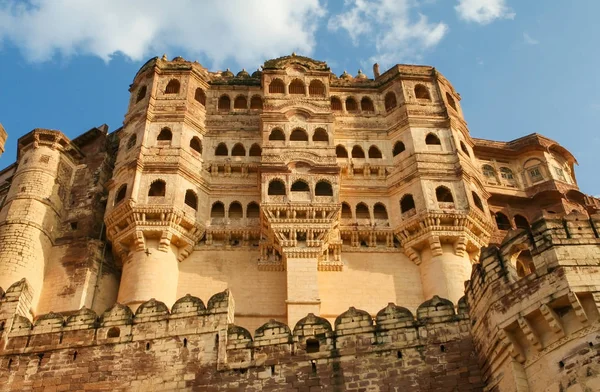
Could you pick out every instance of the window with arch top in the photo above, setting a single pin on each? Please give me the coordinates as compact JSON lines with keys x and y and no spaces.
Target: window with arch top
{"x":390,"y":101}
{"x":323,"y":188}
{"x":524,"y":264}
{"x":121,"y":193}
{"x":488,"y":171}
{"x":217,"y":210}
{"x":502,"y":221}
{"x":320,"y":135}
{"x":172,"y":87}
{"x":277,"y":134}
{"x":357,"y":152}
{"x":224,"y":104}
{"x":341,"y":152}
{"x":374,"y":153}
{"x":336,"y":104}
{"x":252,"y":210}
{"x":443,"y":195}
{"x":451,"y":101}
{"x":297,"y":87}
{"x":196,"y":144}
{"x":191,"y":200}
{"x":362,"y":211}
{"x":299,"y":135}
{"x":477,"y":201}
{"x":421,"y":92}
{"x":351,"y":105}
{"x":255,"y":150}
{"x":407,"y":203}
{"x":521,"y":222}
{"x":221,"y":150}
{"x":200,"y":96}
{"x":379,"y":211}
{"x":236,"y":210}
{"x":316,"y":88}
{"x":346,"y":211}
{"x":241,"y":102}
{"x":300,"y":186}
{"x":238,"y":150}
{"x":432,"y":140}
{"x":276,"y":188}
{"x":157,"y":189}
{"x":256,"y":103}
{"x":276,"y":87}
{"x":141,"y":94}
{"x":366,"y":105}
{"x":398,"y":148}
{"x":164,"y":136}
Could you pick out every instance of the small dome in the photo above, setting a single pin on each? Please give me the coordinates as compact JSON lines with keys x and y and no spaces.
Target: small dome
{"x":178,"y":59}
{"x":227,"y":74}
{"x":242,"y":74}
{"x":346,"y":76}
{"x":257,"y":74}
{"x":360,"y":75}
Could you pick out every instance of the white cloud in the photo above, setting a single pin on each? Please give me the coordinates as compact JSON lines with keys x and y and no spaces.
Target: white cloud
{"x":529,"y":40}
{"x":398,"y":31}
{"x":247,"y":31}
{"x":483,"y":11}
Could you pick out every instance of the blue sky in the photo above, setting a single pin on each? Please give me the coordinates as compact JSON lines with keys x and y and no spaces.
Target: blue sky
{"x":520,"y":66}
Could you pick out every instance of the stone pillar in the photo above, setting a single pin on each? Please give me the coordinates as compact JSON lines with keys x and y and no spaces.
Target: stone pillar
{"x":444,"y":274}
{"x":302,"y":289}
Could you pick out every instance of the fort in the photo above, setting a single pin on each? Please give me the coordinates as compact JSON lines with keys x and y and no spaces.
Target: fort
{"x":346,"y":233}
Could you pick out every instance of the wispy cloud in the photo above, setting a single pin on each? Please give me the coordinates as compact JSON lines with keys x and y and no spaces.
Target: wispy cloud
{"x":483,"y":11}
{"x":529,"y":40}
{"x":247,"y":31}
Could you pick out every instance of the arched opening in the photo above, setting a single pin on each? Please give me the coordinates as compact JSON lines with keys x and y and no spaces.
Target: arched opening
{"x":407,"y":203}
{"x":323,"y":188}
{"x":141,"y":94}
{"x":336,"y":104}
{"x":277,"y":134}
{"x":341,"y":152}
{"x":276,"y":87}
{"x":379,"y":211}
{"x":398,"y":148}
{"x":316,"y":88}
{"x":443,"y":195}
{"x":157,"y":188}
{"x":421,"y":92}
{"x":131,"y":142}
{"x":238,"y":150}
{"x":255,"y":150}
{"x":221,"y":150}
{"x":256,"y":103}
{"x":390,"y":101}
{"x":312,"y":346}
{"x":224,"y":103}
{"x":477,"y":201}
{"x":297,"y":87}
{"x":451,"y":101}
{"x":276,"y":188}
{"x":121,"y":193}
{"x":374,"y":153}
{"x":320,"y":135}
{"x":252,"y":210}
{"x":236,"y":211}
{"x":299,"y":135}
{"x":524,"y":264}
{"x":507,"y":174}
{"x":362,"y":211}
{"x":241,"y":102}
{"x":172,"y":87}
{"x":300,"y":186}
{"x":366,"y":105}
{"x":113,"y":332}
{"x":217,"y":210}
{"x":521,"y":222}
{"x":502,"y":221}
{"x":488,"y":171}
{"x":351,"y":105}
{"x":165,"y":135}
{"x":200,"y":96}
{"x":357,"y":152}
{"x":464,"y":148}
{"x":346,"y":211}
{"x":191,"y":199}
{"x":196,"y":144}
{"x":432,"y":139}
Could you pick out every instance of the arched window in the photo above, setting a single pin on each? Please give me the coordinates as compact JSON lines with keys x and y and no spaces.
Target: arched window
{"x":320,"y":135}
{"x":236,"y":211}
{"x":157,"y":188}
{"x":357,"y":152}
{"x":224,"y":103}
{"x":341,"y":152}
{"x":191,"y":199}
{"x":252,"y":210}
{"x":323,"y":188}
{"x":432,"y":139}
{"x":256,"y":103}
{"x":221,"y":150}
{"x":507,"y":174}
{"x":374,"y":152}
{"x":238,"y":150}
{"x":165,"y":135}
{"x":196,"y":144}
{"x":131,"y":142}
{"x":113,"y":332}
{"x":502,"y":221}
{"x":451,"y":101}
{"x":488,"y":171}
{"x":379,"y":211}
{"x":240,"y":102}
{"x":398,"y":148}
{"x":121,"y":193}
{"x":277,"y":134}
{"x":521,"y":222}
{"x":524,"y":264}
{"x":407,"y":203}
{"x":297,"y":87}
{"x":443,"y":195}
{"x":299,"y":135}
{"x":366,"y":105}
{"x":477,"y":201}
{"x":463,"y":147}
{"x":316,"y":88}
{"x":200,"y":96}
{"x":217,"y":210}
{"x":300,"y":186}
{"x":336,"y":104}
{"x":255,"y":150}
{"x":390,"y":101}
{"x":421,"y":92}
{"x":346,"y":211}
{"x":141,"y":94}
{"x":276,"y":87}
{"x":362,"y":211}
{"x":276,"y":187}
{"x":172,"y":87}
{"x":351,"y":105}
